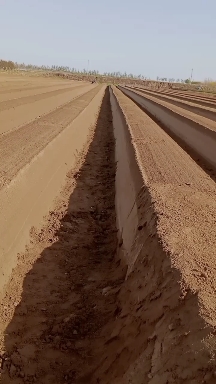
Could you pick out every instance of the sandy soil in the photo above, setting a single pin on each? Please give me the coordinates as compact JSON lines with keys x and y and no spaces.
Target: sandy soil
{"x":195,"y":95}
{"x":7,"y":93}
{"x":201,"y":98}
{"x":182,"y":111}
{"x":32,"y":137}
{"x":171,"y":268}
{"x":68,"y":291}
{"x":118,"y":285}
{"x":200,"y":107}
{"x":17,"y":112}
{"x":196,"y":133}
{"x":19,"y":86}
{"x":35,"y":158}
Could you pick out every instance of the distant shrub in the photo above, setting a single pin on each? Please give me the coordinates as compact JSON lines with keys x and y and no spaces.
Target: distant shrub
{"x":7,"y":64}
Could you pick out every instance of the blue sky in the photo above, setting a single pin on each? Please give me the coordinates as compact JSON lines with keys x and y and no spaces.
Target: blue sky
{"x":165,"y":38}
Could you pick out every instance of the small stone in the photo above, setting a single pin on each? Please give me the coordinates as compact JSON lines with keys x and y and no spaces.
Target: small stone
{"x":68,"y":344}
{"x":75,"y":332}
{"x":106,"y":290}
{"x":152,"y":336}
{"x":186,"y":333}
{"x":150,"y":376}
{"x":22,"y":374}
{"x":171,"y":327}
{"x":188,"y":183}
{"x":68,"y":318}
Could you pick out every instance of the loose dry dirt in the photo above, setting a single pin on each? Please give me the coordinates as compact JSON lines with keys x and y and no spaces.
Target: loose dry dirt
{"x":118,"y":286}
{"x":195,"y":134}
{"x":183,"y":109}
{"x":193,"y":97}
{"x":63,"y":290}
{"x":199,"y":107}
{"x":18,"y":147}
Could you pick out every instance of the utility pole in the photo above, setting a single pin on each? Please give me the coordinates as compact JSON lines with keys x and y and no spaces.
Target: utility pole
{"x":191,"y":75}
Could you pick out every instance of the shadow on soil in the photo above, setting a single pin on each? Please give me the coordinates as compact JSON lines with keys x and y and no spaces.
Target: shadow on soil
{"x":79,"y":321}
{"x":203,"y":163}
{"x":70,"y":292}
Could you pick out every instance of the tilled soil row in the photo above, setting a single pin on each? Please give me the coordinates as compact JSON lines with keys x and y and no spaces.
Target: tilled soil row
{"x":19,"y":147}
{"x":23,"y":87}
{"x":17,"y":102}
{"x":63,"y":290}
{"x":198,"y":95}
{"x":72,"y":313}
{"x":206,"y":110}
{"x":165,"y":332}
{"x":196,"y":135}
{"x":199,"y":99}
{"x":182,"y":111}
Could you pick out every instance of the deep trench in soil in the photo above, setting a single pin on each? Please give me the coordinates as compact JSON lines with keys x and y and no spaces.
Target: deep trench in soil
{"x":69,"y":293}
{"x":78,"y":317}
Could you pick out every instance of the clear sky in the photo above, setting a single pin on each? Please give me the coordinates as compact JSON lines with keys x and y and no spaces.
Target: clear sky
{"x":165,"y":38}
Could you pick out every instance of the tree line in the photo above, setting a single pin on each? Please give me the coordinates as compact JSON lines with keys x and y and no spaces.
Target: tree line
{"x":59,"y":68}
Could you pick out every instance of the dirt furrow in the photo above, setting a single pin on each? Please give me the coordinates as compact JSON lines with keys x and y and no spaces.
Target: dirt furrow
{"x":7,"y":87}
{"x":156,"y":136}
{"x":31,"y":91}
{"x":171,"y":276}
{"x":13,"y":119}
{"x":201,"y":99}
{"x":119,"y":284}
{"x":64,"y":287}
{"x":14,"y":103}
{"x":197,"y":135}
{"x":197,"y":95}
{"x":18,"y":147}
{"x":201,"y":108}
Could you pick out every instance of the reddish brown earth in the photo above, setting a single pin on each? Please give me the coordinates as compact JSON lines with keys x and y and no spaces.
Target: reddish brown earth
{"x":117,"y":284}
{"x":193,"y":100}
{"x":65,"y":284}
